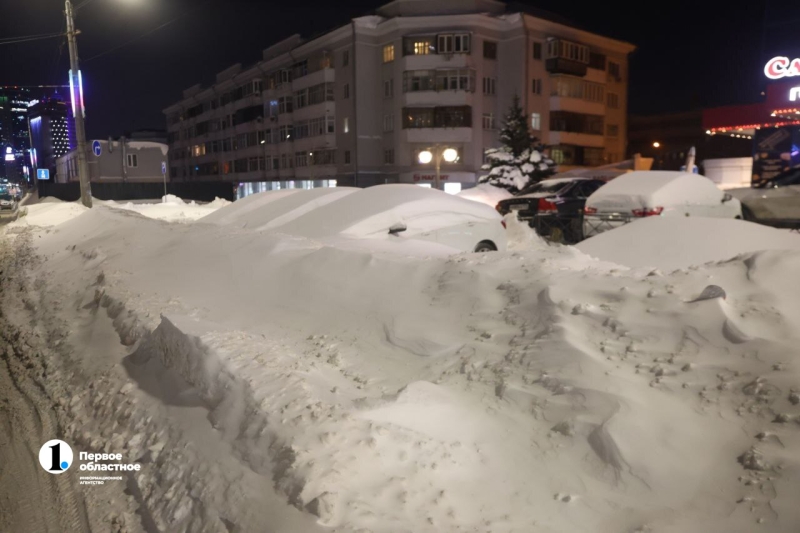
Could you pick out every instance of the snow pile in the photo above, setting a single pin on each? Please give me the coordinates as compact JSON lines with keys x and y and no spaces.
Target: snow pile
{"x":673,"y":243}
{"x":48,"y":213}
{"x":271,"y":379}
{"x":485,"y":194}
{"x":172,"y":208}
{"x":655,"y":188}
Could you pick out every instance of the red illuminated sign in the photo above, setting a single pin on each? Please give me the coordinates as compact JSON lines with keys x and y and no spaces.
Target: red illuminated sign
{"x":782,"y":67}
{"x":429,"y":177}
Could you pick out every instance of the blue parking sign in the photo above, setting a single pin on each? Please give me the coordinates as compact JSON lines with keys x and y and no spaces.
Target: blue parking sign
{"x":42,"y":174}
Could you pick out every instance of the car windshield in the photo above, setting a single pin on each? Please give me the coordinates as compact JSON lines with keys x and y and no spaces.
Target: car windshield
{"x":5,"y":196}
{"x":553,"y":186}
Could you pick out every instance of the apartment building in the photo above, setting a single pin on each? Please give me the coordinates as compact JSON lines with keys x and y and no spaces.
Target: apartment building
{"x":357,"y":105}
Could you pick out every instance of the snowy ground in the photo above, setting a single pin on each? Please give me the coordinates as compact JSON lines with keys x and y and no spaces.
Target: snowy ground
{"x":275,"y":383}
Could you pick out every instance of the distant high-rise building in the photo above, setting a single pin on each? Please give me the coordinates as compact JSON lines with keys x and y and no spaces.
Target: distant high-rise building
{"x":14,"y":138}
{"x":52,"y":133}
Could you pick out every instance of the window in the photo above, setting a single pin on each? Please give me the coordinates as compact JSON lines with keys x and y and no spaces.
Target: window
{"x":536,"y":85}
{"x":388,"y":122}
{"x":489,"y":85}
{"x":347,"y":157}
{"x":612,"y":130}
{"x":614,"y":70}
{"x":488,"y":121}
{"x":613,"y":101}
{"x":536,"y":121}
{"x":573,"y":87}
{"x":489,"y":50}
{"x":537,"y":50}
{"x":285,"y":104}
{"x":301,"y":159}
{"x":455,"y":80}
{"x":388,"y":53}
{"x":437,"y":117}
{"x":419,"y":80}
{"x":571,"y":122}
{"x":133,"y":160}
{"x":453,"y":43}
{"x":345,"y":125}
{"x":388,"y":157}
{"x":252,"y":164}
{"x":322,"y":92}
{"x":388,"y":88}
{"x":559,"y":48}
{"x":276,"y":163}
{"x":346,"y":91}
{"x":286,"y":133}
{"x":345,"y":58}
{"x":419,"y":45}
{"x":597,"y":61}
{"x":300,"y":99}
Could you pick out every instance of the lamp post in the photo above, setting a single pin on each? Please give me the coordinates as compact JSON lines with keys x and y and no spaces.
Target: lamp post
{"x":437,"y":154}
{"x":80,"y":133}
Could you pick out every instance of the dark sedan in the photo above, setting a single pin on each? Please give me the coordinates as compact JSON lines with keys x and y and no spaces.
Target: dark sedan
{"x":553,"y":207}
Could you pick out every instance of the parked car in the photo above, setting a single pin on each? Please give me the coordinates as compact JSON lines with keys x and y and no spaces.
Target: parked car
{"x":554,"y":206}
{"x":656,"y":193}
{"x":392,"y":213}
{"x":8,"y":205}
{"x":775,"y":202}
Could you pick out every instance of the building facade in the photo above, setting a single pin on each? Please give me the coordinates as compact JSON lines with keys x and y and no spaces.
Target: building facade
{"x":357,"y":105}
{"x":14,"y":137}
{"x":123,"y":160}
{"x":52,"y":134}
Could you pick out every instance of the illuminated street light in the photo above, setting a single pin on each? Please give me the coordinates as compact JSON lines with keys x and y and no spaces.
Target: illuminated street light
{"x":656,"y":144}
{"x":425,"y":157}
{"x":450,"y":155}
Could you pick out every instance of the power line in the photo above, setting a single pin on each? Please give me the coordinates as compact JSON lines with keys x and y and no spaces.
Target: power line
{"x":30,"y":38}
{"x":82,"y":4}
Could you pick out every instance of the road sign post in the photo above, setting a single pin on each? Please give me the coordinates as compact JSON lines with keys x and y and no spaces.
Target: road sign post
{"x":164,"y":174}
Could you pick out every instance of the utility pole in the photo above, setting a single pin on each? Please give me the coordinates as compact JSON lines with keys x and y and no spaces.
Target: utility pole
{"x":80,"y":133}
{"x":437,"y":153}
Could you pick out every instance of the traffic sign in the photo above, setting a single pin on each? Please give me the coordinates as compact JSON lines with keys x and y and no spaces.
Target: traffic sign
{"x":163,"y":167}
{"x":42,"y":174}
{"x":96,"y":148}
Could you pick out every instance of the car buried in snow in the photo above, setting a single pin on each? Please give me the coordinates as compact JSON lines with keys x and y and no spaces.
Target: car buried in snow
{"x":553,"y":206}
{"x":8,"y":204}
{"x":392,"y":216}
{"x":662,"y":193}
{"x":775,"y":202}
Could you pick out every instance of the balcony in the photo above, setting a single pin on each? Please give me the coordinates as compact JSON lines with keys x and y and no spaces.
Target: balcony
{"x":435,"y":61}
{"x":576,"y":139}
{"x":324,"y":75}
{"x":438,"y":98}
{"x":576,"y":105}
{"x":560,"y":65}
{"x":438,"y":135}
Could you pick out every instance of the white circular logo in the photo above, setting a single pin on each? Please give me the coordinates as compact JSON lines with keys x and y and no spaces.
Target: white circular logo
{"x":55,"y":456}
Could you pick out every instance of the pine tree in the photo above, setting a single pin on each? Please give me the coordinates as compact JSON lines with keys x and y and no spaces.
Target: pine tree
{"x":520,"y":161}
{"x":515,"y":133}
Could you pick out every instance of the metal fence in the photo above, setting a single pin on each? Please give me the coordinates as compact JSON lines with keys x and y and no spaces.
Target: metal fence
{"x":199,"y":191}
{"x":563,"y":228}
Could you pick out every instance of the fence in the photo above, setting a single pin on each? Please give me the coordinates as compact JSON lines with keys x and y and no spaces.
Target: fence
{"x":563,"y":228}
{"x":200,"y":191}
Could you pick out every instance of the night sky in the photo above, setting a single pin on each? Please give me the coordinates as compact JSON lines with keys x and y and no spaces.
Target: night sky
{"x":690,"y":53}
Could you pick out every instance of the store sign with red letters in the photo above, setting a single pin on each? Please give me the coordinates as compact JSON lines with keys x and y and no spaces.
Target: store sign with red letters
{"x":782,"y":67}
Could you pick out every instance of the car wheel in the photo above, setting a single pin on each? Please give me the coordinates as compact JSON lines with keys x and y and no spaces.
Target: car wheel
{"x":747,"y":214}
{"x":485,"y":246}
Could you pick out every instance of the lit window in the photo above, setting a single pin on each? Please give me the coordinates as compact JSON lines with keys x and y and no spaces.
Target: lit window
{"x":421,"y":48}
{"x":536,"y":121}
{"x":346,"y":125}
{"x":388,"y":53}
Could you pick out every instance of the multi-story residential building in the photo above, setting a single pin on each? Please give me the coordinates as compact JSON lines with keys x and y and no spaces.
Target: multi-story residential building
{"x":357,"y":105}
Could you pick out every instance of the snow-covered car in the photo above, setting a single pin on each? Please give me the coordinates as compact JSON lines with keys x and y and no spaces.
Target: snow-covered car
{"x":663,"y":193}
{"x":775,"y":203}
{"x":392,"y":213}
{"x":8,"y":205}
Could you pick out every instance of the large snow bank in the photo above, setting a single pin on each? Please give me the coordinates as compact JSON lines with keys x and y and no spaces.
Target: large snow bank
{"x":49,"y":213}
{"x":673,"y":243}
{"x":509,"y":392}
{"x":486,"y":194}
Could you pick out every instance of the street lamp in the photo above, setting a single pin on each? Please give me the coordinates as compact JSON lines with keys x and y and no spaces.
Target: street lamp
{"x":656,"y":144}
{"x":438,"y":153}
{"x":75,"y":79}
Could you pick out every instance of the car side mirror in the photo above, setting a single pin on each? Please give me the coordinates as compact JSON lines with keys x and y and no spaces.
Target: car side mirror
{"x":726,"y":198}
{"x":397,"y":228}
